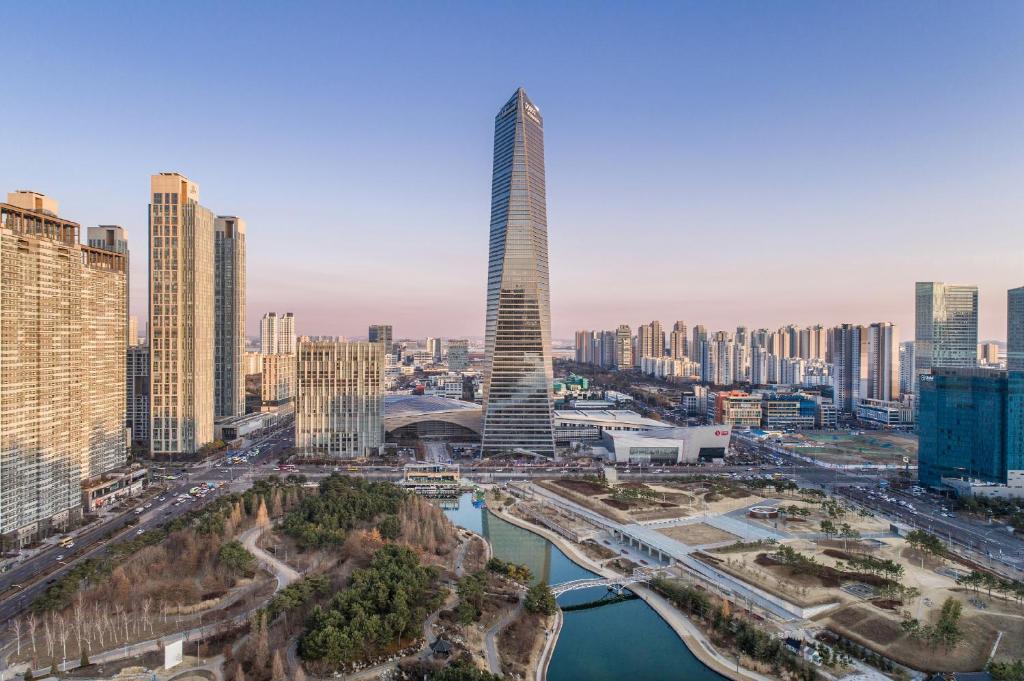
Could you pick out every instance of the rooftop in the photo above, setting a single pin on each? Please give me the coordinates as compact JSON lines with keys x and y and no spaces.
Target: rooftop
{"x":406,"y":405}
{"x":621,"y":416}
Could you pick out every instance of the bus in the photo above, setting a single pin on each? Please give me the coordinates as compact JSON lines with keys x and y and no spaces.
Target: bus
{"x":67,"y":542}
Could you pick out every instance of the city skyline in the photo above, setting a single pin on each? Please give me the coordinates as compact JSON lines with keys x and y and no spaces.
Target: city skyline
{"x":744,"y":148}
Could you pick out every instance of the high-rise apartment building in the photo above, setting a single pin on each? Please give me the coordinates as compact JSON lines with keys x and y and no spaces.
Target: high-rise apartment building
{"x":137,"y":394}
{"x":458,"y":354}
{"x":181,"y":316}
{"x":1015,"y":329}
{"x":988,"y":355}
{"x":650,"y":340}
{"x":63,"y":350}
{"x":945,"y":326}
{"x":517,"y":386}
{"x":679,"y":341}
{"x":436,"y":349}
{"x":883,"y":369}
{"x":849,"y":366}
{"x":278,"y":379}
{"x":229,"y":323}
{"x":700,"y":335}
{"x":277,"y":334}
{"x":339,"y":400}
{"x":718,"y":357}
{"x":623,"y":347}
{"x":270,"y":328}
{"x":584,"y":347}
{"x":133,"y":330}
{"x":906,"y":367}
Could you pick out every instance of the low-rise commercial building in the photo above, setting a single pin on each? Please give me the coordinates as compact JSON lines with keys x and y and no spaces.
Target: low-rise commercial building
{"x":737,"y":408}
{"x":668,"y":445}
{"x":781,"y":412}
{"x":108,"y":488}
{"x":885,"y":413}
{"x":588,"y":425}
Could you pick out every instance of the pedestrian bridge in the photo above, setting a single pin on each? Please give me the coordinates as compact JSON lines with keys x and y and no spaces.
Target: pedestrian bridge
{"x":616,"y":584}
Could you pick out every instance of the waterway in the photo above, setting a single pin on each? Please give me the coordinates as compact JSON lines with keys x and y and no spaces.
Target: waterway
{"x":625,"y":640}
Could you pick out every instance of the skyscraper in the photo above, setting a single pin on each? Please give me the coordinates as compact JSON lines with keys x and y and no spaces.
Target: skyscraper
{"x":63,"y":349}
{"x":679,"y":342}
{"x":1015,"y":329}
{"x":700,"y":335}
{"x":458,"y":354}
{"x":286,"y":338}
{"x":181,"y":316}
{"x":849,"y":365}
{"x":517,"y":400}
{"x":229,"y":306}
{"x":906,"y":367}
{"x":381,"y":333}
{"x":883,"y":370}
{"x":339,"y":398}
{"x":269,"y":329}
{"x":945,"y":326}
{"x":623,"y":347}
{"x":137,"y":394}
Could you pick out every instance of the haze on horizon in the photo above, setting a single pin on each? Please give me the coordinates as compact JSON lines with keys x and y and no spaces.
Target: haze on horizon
{"x":722,"y":163}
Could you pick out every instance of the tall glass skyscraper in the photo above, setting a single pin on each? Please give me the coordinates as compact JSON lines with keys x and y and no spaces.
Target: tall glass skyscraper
{"x":518,"y":375}
{"x":945,"y":327}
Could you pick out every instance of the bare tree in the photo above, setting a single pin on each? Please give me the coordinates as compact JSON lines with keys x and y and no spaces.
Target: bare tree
{"x":16,"y":625}
{"x":62,"y":632}
{"x":32,"y":623}
{"x":48,"y":635}
{"x":147,"y":604}
{"x":79,"y":614}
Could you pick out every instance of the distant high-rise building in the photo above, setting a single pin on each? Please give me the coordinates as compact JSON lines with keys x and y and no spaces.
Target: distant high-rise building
{"x":434,"y":347}
{"x":650,"y":341}
{"x":277,"y":334}
{"x":717,"y":363}
{"x":62,"y":366}
{"x":741,"y":355}
{"x":816,"y":336}
{"x":1015,"y":329}
{"x":758,"y":365}
{"x":679,"y":341}
{"x":229,"y":324}
{"x":849,"y":366}
{"x":339,"y":401}
{"x":277,"y":384}
{"x":700,"y":335}
{"x":286,"y":339}
{"x":906,"y":367}
{"x":517,"y":386}
{"x":988,"y":355}
{"x":133,"y":330}
{"x":584,"y":347}
{"x":137,"y":394}
{"x":269,"y":331}
{"x":252,"y":363}
{"x":381,"y":333}
{"x":181,"y":316}
{"x":623,"y":347}
{"x":458,"y":354}
{"x":945,"y":326}
{"x":883,"y":369}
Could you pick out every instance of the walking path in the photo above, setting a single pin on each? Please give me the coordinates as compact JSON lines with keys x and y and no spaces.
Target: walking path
{"x":693,"y":637}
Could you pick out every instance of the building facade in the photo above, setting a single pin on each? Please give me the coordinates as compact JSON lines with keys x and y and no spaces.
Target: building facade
{"x":883,"y":370}
{"x":229,"y":304}
{"x":339,"y":400}
{"x":278,"y":379}
{"x":970,"y":425}
{"x":517,"y":400}
{"x":623,"y":347}
{"x":181,"y":316}
{"x":458,"y":354}
{"x":849,"y":365}
{"x":1015,"y":329}
{"x":63,"y":349}
{"x":945,"y":327}
{"x":137,"y":394}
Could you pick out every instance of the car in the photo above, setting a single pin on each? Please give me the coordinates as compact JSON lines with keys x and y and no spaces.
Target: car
{"x":59,"y":557}
{"x":162,"y":499}
{"x":139,"y":531}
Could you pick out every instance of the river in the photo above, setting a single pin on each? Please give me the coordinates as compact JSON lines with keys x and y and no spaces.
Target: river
{"x":625,"y":640}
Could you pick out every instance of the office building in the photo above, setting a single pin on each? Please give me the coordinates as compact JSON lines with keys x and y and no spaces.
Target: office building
{"x":736,"y":408}
{"x":945,"y":327}
{"x":788,"y":411}
{"x":623,"y":347}
{"x":339,"y":401}
{"x":517,"y":400}
{"x":971,"y":427}
{"x":181,"y":316}
{"x":229,"y":316}
{"x":63,"y":349}
{"x":381,"y":333}
{"x":435,"y":349}
{"x":458,"y":355}
{"x":137,"y":394}
{"x":1015,"y":329}
{"x":849,"y":366}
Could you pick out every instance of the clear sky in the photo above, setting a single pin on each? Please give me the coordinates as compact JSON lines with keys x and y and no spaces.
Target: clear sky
{"x":724,"y":163}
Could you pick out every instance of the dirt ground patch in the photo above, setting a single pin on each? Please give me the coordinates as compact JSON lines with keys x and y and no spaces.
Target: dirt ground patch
{"x":698,"y":534}
{"x":881,"y":632}
{"x":586,"y":487}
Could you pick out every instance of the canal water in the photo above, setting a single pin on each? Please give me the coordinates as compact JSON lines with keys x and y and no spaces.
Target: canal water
{"x":625,"y":640}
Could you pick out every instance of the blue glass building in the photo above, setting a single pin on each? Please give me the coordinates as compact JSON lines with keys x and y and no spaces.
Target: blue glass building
{"x":970,"y":425}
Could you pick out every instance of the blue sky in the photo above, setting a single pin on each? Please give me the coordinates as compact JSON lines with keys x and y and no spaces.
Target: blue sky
{"x":723,"y":163}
